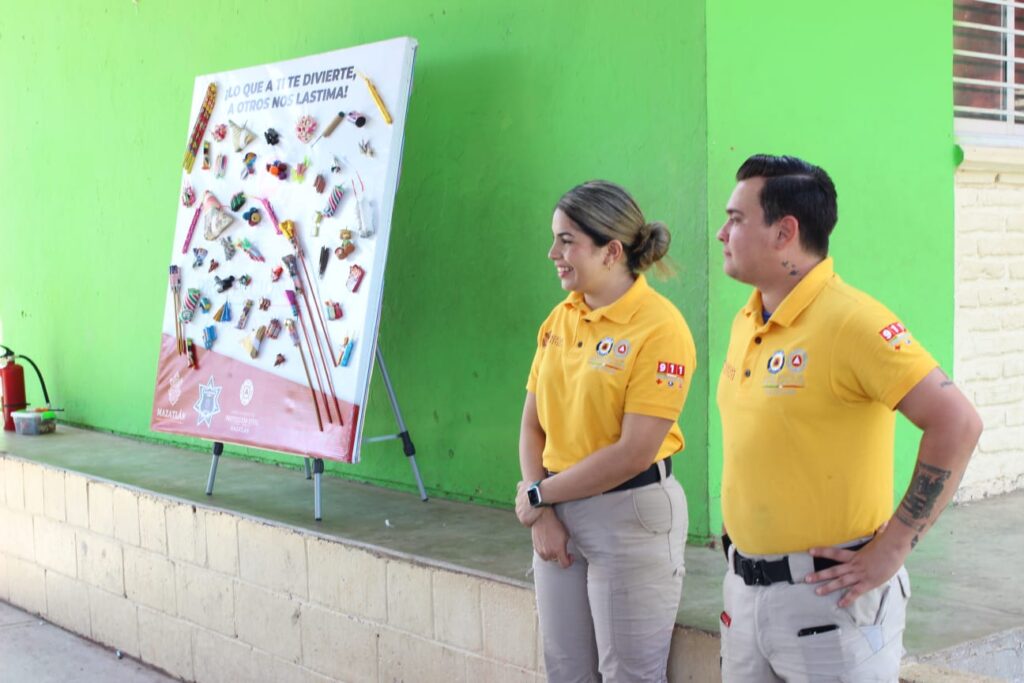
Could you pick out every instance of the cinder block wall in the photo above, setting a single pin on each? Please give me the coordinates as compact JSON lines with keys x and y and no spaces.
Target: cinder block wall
{"x":208,"y":595}
{"x":989,"y":318}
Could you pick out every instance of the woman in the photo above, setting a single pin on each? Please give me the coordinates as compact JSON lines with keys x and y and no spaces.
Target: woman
{"x":611,"y":373}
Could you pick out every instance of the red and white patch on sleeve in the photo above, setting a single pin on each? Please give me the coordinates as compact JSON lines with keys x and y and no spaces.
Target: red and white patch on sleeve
{"x":896,"y":334}
{"x":671,"y":374}
{"x":675,"y":369}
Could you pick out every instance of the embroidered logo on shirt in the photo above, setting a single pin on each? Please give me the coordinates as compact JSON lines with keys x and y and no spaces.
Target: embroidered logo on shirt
{"x":552,"y":339}
{"x":785,"y":372}
{"x":604,"y":347}
{"x":622,"y":348}
{"x":729,"y":371}
{"x":896,"y":334}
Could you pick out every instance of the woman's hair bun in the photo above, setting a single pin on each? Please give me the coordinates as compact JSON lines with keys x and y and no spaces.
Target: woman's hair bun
{"x":651,"y":245}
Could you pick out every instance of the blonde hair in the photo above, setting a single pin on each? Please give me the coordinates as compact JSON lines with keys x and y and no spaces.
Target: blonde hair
{"x":606,"y":212}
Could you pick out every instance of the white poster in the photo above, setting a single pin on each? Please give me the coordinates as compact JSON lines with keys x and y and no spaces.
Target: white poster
{"x":274,"y":291}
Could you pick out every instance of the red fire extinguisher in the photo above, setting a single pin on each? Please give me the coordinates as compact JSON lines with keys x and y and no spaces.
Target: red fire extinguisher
{"x":12,"y":382}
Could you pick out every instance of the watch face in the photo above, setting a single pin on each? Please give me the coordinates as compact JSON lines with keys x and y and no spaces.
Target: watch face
{"x":533,"y":494}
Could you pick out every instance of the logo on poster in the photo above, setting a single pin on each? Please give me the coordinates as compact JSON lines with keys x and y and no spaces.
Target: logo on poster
{"x":207,"y":406}
{"x":246,"y":392}
{"x":174,"y":393}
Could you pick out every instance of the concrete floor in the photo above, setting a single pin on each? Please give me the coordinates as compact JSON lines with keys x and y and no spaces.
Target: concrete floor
{"x":965,"y":572}
{"x":34,"y":651}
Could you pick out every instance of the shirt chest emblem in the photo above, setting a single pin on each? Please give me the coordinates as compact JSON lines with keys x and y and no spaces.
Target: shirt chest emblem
{"x":610,"y":355}
{"x":785,"y":374}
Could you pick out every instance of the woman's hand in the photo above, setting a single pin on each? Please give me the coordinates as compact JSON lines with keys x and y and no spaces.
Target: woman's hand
{"x":550,"y":538}
{"x":526,"y":513}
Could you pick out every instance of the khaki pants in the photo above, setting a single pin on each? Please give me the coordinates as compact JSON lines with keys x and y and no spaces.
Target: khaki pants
{"x":609,"y":617}
{"x":762,"y":641}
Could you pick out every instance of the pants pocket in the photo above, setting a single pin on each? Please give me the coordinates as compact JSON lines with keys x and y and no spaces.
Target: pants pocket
{"x":653,"y":509}
{"x":904,"y":580}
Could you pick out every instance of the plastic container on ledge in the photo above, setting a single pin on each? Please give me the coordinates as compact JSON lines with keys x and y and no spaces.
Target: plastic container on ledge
{"x":32,"y":423}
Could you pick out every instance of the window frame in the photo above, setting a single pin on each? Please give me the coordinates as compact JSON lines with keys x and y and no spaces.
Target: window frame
{"x":1008,"y":132}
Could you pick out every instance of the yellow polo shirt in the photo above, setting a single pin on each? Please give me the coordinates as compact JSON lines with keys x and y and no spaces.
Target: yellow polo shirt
{"x":635,"y":355}
{"x":807,"y":404}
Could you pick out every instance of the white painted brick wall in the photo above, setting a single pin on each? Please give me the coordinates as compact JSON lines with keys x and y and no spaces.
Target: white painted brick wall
{"x":272,"y":557}
{"x":347,"y":579}
{"x":126,"y":516}
{"x":67,"y":602}
{"x":53,"y":495}
{"x":115,"y":621}
{"x":194,"y":600}
{"x":33,"y":483}
{"x":101,"y":508}
{"x":14,"y":485}
{"x":989,"y":318}
{"x":166,"y":642}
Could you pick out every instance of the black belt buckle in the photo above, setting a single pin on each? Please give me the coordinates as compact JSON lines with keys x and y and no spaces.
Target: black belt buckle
{"x":752,"y":571}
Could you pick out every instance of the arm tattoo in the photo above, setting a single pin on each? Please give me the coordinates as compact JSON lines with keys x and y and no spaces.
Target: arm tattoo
{"x":926,"y":486}
{"x":946,"y":381}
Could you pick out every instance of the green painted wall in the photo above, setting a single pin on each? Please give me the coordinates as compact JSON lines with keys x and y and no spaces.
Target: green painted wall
{"x":862,"y":89}
{"x":513,"y":104}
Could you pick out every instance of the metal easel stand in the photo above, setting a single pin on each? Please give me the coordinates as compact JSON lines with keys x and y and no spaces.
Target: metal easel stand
{"x":318,"y":464}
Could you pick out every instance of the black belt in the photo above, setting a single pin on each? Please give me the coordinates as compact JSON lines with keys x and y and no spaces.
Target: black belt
{"x":649,"y":476}
{"x":766,"y":572}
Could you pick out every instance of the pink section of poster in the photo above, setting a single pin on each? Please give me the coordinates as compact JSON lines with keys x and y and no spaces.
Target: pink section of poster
{"x":234,"y":402}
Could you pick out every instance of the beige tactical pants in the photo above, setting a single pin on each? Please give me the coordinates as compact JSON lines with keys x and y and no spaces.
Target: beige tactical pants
{"x":609,"y":617}
{"x":786,"y":632}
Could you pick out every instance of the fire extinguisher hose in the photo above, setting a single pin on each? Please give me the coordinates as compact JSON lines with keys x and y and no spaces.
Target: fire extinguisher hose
{"x":13,"y":356}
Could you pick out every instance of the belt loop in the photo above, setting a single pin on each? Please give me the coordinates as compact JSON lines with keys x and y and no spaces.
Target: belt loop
{"x":661,"y":472}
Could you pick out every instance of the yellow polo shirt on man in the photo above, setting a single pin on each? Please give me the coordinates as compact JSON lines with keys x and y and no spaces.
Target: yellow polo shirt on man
{"x":807,"y":403}
{"x":635,"y":355}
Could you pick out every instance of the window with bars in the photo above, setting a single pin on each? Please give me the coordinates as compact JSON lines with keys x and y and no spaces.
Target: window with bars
{"x":988,"y":66}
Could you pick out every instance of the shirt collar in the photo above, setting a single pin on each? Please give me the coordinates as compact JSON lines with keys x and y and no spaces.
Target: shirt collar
{"x":798,"y":298}
{"x":619,"y":311}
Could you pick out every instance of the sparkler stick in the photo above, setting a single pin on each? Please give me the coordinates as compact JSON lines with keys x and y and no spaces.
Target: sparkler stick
{"x":291,"y":232}
{"x":323,"y":361}
{"x":179,"y":333}
{"x":294,"y":303}
{"x":290,"y":324}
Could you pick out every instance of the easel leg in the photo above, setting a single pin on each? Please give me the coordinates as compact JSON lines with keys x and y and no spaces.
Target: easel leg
{"x":318,"y":470}
{"x":403,"y":433}
{"x":309,"y":472}
{"x":218,"y":448}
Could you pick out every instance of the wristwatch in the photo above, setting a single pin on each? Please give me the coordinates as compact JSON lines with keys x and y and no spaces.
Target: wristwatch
{"x":533,"y":495}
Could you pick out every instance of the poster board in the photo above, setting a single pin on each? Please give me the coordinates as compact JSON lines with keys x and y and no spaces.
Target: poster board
{"x":333,"y":165}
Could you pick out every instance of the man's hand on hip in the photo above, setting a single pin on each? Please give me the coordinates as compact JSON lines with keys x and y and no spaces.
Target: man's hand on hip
{"x":861,"y":570}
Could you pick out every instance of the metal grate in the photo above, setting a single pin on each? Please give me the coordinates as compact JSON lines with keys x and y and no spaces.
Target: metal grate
{"x":988,"y":66}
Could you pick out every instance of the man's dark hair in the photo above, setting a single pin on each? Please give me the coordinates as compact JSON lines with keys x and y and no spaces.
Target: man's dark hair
{"x":793,"y":187}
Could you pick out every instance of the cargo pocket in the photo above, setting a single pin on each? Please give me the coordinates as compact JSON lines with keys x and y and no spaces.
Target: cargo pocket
{"x":869,"y":609}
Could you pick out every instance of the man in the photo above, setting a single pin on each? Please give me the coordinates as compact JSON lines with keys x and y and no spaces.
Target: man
{"x":815,"y":368}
